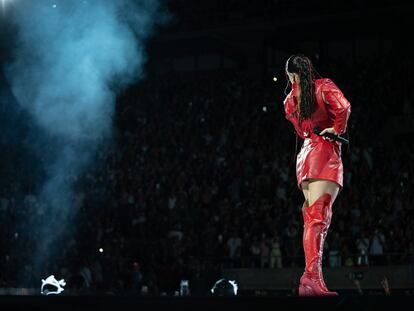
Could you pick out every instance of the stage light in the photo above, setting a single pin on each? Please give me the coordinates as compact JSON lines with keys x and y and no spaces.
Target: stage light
{"x":274,"y":79}
{"x":101,"y":250}
{"x":224,"y":287}
{"x":184,"y":289}
{"x":4,"y":3}
{"x":52,"y":286}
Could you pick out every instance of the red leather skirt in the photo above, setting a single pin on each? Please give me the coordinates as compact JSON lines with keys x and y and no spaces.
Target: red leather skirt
{"x":320,"y":159}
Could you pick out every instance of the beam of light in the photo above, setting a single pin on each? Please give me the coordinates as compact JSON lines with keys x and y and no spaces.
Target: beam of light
{"x":69,"y":66}
{"x":4,"y":4}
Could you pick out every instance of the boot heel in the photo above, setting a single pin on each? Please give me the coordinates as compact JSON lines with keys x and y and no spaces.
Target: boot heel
{"x":305,"y":291}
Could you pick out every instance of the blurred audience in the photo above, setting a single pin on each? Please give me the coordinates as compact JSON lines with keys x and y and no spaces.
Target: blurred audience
{"x":202,"y":178}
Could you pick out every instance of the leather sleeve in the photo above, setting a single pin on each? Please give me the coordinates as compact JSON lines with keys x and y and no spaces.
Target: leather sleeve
{"x":290,"y":115}
{"x":338,"y":105}
{"x":289,"y":107}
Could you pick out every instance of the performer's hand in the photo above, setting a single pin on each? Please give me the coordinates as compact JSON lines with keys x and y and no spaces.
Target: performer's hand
{"x":328,"y":130}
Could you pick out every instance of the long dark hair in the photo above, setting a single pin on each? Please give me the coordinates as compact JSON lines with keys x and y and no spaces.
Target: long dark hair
{"x":303,"y":66}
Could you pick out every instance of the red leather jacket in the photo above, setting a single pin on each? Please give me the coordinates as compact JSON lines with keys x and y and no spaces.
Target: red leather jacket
{"x":332,"y":109}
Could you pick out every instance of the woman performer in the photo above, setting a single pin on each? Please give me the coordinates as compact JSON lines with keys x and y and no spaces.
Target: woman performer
{"x":316,"y":103}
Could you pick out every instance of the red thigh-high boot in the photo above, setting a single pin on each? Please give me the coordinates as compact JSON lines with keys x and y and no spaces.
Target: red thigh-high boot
{"x":317,"y":219}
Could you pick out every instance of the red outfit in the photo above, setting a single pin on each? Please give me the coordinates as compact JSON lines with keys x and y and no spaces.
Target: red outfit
{"x":320,"y":158}
{"x":316,"y":220}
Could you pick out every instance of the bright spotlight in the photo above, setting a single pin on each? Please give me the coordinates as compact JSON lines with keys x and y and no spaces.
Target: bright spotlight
{"x":101,"y":250}
{"x":52,"y":286}
{"x":224,"y":287}
{"x":4,"y":3}
{"x":274,"y":79}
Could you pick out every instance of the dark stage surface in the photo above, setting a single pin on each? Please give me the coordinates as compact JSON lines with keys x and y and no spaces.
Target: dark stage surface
{"x":202,"y":303}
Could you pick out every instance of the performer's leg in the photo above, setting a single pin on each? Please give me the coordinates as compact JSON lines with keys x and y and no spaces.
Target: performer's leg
{"x":317,"y":187}
{"x":305,"y":189}
{"x":317,"y":218}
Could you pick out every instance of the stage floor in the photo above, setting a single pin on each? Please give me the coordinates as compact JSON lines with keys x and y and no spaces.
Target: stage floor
{"x":119,"y":303}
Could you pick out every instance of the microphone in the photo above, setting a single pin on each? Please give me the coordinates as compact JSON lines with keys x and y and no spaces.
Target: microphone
{"x":317,"y":130}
